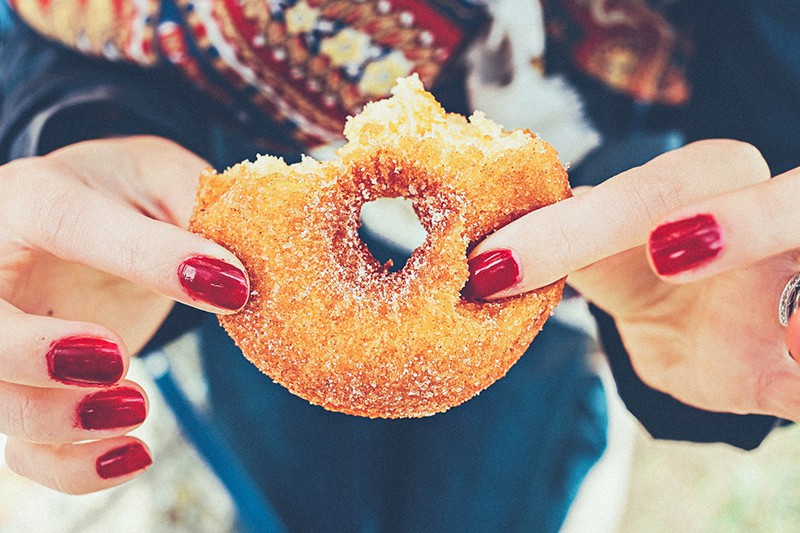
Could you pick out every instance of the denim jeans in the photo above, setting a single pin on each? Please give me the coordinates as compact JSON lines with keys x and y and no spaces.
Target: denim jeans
{"x":510,"y":459}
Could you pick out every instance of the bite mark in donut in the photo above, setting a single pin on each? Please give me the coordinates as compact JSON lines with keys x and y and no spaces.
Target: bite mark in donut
{"x":325,"y":319}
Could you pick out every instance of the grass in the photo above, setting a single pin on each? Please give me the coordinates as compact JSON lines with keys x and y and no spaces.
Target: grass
{"x":706,"y":488}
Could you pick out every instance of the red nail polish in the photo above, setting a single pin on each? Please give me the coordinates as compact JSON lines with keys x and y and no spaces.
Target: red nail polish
{"x":685,"y":244}
{"x":214,"y":282}
{"x":85,"y":361}
{"x":122,"y":461}
{"x":491,"y":272}
{"x":111,"y":409}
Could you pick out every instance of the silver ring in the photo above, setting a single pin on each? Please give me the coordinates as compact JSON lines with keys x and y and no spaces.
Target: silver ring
{"x":790,"y":300}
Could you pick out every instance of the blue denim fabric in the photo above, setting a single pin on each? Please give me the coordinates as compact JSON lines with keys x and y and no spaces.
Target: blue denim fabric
{"x":510,"y":459}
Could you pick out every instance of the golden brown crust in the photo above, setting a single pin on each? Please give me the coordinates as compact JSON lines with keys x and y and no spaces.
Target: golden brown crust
{"x":325,"y":319}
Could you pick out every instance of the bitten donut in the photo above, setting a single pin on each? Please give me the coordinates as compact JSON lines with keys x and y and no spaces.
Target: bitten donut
{"x":329,"y":322}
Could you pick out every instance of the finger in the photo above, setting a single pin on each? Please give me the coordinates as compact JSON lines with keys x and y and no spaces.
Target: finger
{"x":639,"y":290}
{"x":730,"y":231}
{"x":78,"y":224}
{"x":549,"y":243}
{"x":79,"y":468}
{"x":69,"y":415}
{"x":49,"y":352}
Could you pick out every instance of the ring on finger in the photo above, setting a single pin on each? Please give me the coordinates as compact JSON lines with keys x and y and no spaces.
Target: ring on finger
{"x":790,"y":300}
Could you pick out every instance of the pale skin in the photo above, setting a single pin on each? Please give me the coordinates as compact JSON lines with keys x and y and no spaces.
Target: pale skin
{"x":92,"y":235}
{"x":709,"y":336}
{"x":91,"y":238}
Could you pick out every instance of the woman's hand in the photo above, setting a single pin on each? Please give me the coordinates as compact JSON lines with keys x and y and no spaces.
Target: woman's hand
{"x":696,"y":298}
{"x":93,"y":252}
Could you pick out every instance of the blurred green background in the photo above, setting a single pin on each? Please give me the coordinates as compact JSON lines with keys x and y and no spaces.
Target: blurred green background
{"x":690,"y":487}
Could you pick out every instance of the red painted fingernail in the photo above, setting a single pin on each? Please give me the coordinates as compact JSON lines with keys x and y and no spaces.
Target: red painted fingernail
{"x":85,"y":361}
{"x":113,"y":408}
{"x":491,"y":272}
{"x":685,"y":244}
{"x":214,"y":282}
{"x":122,"y":461}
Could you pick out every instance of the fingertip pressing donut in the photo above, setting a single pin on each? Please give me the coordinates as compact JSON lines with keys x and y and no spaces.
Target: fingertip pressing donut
{"x":325,"y":318}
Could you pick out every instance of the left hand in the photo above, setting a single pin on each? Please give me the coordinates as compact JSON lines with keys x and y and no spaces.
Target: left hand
{"x":696,"y":300}
{"x":93,"y":252}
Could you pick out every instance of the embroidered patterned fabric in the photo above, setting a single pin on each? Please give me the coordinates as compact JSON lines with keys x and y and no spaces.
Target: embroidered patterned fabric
{"x":628,"y":45}
{"x":305,"y":64}
{"x":291,"y":71}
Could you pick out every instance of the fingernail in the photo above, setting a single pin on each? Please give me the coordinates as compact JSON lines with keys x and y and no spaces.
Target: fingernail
{"x":85,"y":361}
{"x":214,"y":282}
{"x":685,"y":244}
{"x":122,"y":461}
{"x":491,"y":272}
{"x":111,"y":409}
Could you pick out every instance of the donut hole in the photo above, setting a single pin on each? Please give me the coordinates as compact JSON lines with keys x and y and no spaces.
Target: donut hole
{"x":391,"y":230}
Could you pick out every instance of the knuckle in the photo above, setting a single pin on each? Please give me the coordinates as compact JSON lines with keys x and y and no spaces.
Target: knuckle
{"x":130,"y":256}
{"x":751,"y":162}
{"x":58,"y":216}
{"x":26,"y":417}
{"x":654,"y":198}
{"x":17,"y":173}
{"x":37,"y":199}
{"x":16,"y":178}
{"x":566,"y":257}
{"x":22,"y":412}
{"x":22,"y":460}
{"x":64,"y":484}
{"x":745,"y":161}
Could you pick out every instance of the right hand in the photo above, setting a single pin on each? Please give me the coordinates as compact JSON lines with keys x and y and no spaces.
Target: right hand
{"x":697,"y":307}
{"x":93,"y":252}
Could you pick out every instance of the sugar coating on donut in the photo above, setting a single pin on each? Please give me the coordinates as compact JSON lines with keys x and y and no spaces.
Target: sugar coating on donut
{"x":325,"y":319}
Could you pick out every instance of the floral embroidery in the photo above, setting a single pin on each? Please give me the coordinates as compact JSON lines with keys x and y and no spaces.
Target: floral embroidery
{"x":311,"y":63}
{"x":116,"y":30}
{"x":625,"y":44}
{"x":349,"y":48}
{"x":291,"y":71}
{"x":301,"y":18}
{"x":379,"y":76}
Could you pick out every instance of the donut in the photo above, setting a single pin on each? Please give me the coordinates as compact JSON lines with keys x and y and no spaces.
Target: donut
{"x":333,"y":325}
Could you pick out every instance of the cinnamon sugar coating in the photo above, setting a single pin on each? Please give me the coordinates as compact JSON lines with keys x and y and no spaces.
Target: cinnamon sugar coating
{"x":325,"y":319}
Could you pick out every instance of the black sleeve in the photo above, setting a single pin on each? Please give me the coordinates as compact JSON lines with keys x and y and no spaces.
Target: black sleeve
{"x":53,"y":97}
